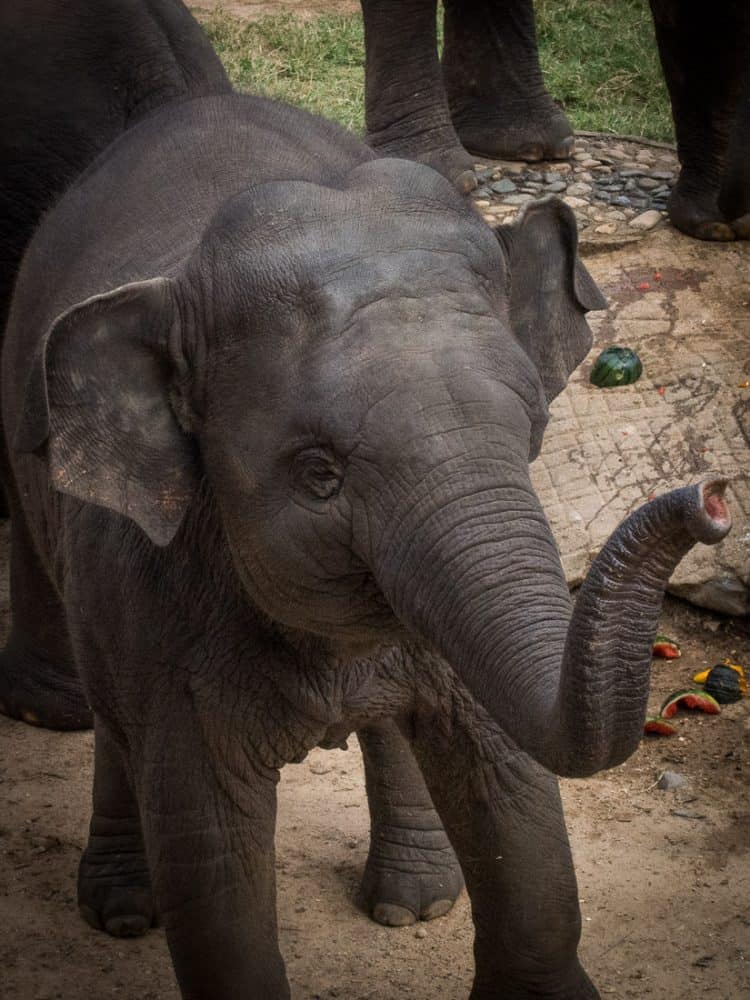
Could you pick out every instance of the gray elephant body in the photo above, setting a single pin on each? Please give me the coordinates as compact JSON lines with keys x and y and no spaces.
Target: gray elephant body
{"x":270,"y":404}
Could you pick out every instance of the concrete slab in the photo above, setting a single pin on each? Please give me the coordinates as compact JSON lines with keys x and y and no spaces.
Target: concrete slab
{"x":684,"y":306}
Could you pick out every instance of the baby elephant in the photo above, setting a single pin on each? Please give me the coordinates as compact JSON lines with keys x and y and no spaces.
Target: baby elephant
{"x":269,"y":404}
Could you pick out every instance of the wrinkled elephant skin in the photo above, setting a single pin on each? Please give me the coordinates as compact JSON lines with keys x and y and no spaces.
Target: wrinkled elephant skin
{"x":271,"y":426}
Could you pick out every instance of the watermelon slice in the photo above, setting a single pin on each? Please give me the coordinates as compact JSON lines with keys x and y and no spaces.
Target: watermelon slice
{"x":691,"y":698}
{"x":654,"y":725}
{"x":666,"y":648}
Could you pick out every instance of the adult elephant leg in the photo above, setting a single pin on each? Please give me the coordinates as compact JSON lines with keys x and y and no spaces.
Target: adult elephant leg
{"x":734,"y":199}
{"x":504,"y":817}
{"x":704,"y":61}
{"x":39,"y":682}
{"x":114,"y":885}
{"x":406,"y":109}
{"x":498,"y":101}
{"x":411,"y":870}
{"x":208,"y":813}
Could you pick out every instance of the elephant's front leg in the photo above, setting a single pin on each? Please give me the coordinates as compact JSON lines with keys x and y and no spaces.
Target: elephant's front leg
{"x":406,"y":109}
{"x":411,"y":870}
{"x":208,"y":810}
{"x":504,"y":817}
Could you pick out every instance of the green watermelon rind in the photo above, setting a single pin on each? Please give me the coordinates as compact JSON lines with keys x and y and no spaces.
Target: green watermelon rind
{"x":705,"y":703}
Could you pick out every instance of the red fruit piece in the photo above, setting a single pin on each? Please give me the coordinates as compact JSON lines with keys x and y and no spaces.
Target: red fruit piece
{"x":666,"y":648}
{"x":644,"y":286}
{"x":692,"y":698}
{"x":658,"y":727}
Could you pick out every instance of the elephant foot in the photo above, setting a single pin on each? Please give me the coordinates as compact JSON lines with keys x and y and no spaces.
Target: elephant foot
{"x":697,"y":213}
{"x":531,"y":132}
{"x":438,"y":148}
{"x":575,"y":985}
{"x":114,"y":886}
{"x":40,"y":693}
{"x":410,"y":875}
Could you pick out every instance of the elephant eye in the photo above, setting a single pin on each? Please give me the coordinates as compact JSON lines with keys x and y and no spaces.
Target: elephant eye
{"x":317,"y":473}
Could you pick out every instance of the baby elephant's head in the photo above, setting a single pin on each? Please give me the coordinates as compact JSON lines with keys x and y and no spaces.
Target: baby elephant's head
{"x":362,"y":376}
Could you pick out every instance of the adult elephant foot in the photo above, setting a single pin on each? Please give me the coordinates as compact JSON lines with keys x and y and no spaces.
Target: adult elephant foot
{"x":439,"y":148}
{"x":114,"y":886}
{"x":696,"y":213}
{"x":41,"y":693}
{"x":532,"y":132}
{"x":499,"y":105}
{"x":411,"y":872}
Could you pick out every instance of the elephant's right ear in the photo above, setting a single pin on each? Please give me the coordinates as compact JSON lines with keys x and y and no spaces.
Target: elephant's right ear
{"x":97,"y":404}
{"x":550,"y":291}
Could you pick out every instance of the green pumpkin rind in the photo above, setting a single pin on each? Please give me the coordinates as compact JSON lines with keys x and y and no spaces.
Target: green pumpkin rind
{"x":616,"y":366}
{"x":723,"y":684}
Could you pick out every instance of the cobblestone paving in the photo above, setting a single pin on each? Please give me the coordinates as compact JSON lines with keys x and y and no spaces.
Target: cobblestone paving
{"x":617,"y":187}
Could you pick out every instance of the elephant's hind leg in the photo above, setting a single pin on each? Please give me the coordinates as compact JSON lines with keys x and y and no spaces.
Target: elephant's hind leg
{"x":39,"y":682}
{"x":411,"y":872}
{"x":499,"y":104}
{"x":114,"y":886}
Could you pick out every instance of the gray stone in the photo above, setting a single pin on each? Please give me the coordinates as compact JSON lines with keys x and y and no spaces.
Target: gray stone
{"x":552,"y":176}
{"x":648,"y":183}
{"x":646,"y":220}
{"x":579,"y":190}
{"x":534,"y":175}
{"x":505,"y":186}
{"x":556,"y":187}
{"x":519,"y":199}
{"x":669,"y":780}
{"x":574,"y":202}
{"x":602,"y":196}
{"x":632,"y":172}
{"x":621,"y":199}
{"x":662,"y":175}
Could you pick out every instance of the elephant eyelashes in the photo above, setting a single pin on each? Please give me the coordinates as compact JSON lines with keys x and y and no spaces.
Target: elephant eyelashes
{"x":316,"y":474}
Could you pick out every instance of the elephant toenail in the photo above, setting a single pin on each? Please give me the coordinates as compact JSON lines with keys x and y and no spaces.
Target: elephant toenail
{"x":393,"y":916}
{"x":438,"y":908}
{"x":134,"y":925}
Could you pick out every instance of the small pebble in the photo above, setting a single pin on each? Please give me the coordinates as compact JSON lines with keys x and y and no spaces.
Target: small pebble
{"x":646,"y":220}
{"x":670,"y":780}
{"x":420,"y":932}
{"x":505,"y":186}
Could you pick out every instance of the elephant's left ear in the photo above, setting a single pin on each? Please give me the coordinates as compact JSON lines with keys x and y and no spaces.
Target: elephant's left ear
{"x":97,"y":406}
{"x":550,"y":291}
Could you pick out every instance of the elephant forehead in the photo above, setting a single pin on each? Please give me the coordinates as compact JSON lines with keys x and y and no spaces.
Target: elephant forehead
{"x":302,"y":246}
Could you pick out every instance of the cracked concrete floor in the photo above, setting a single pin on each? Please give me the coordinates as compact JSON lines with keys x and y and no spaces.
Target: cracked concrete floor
{"x":684,"y":306}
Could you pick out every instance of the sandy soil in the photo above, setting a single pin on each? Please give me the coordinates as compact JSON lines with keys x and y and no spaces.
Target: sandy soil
{"x":663,"y":876}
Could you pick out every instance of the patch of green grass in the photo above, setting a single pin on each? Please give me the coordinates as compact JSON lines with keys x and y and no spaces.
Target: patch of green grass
{"x":599,"y":59}
{"x":317,"y":64}
{"x":598,"y":56}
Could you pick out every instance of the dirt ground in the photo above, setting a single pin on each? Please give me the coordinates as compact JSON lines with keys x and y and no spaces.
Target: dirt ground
{"x":663,"y":876}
